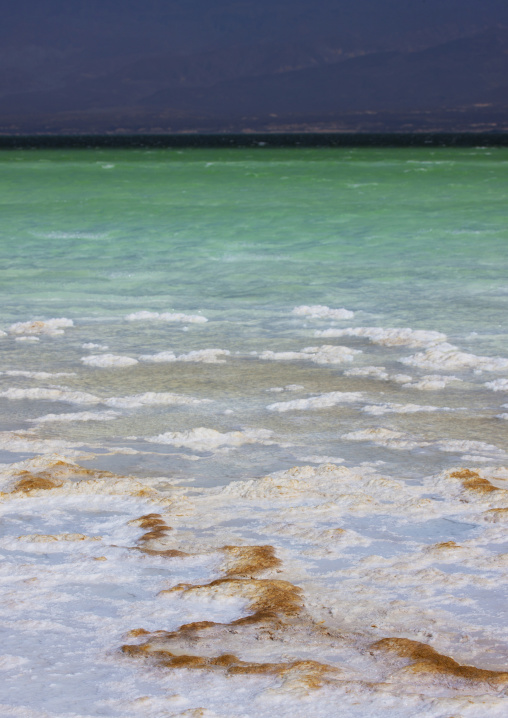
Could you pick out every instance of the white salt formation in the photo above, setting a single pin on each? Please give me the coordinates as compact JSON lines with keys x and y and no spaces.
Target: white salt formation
{"x":177,"y":543}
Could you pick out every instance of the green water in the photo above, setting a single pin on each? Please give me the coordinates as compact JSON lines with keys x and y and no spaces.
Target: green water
{"x":413,"y":237}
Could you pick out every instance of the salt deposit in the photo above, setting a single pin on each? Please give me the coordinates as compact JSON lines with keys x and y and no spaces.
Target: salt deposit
{"x":204,"y":356}
{"x":37,"y":374}
{"x":432,"y":382}
{"x":448,"y":357}
{"x":204,"y":439}
{"x":326,"y":354}
{"x":49,"y":327}
{"x":498,"y":385}
{"x":322,"y":401}
{"x":105,"y":361}
{"x":77,"y":416}
{"x":152,"y":398}
{"x":388,"y":337}
{"x":50,"y":394}
{"x":379,"y":409}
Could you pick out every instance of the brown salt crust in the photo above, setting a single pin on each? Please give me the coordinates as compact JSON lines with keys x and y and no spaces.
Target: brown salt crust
{"x":272,"y":602}
{"x":31,"y":482}
{"x":53,"y":477}
{"x":446,"y":545}
{"x":270,"y":599}
{"x":311,"y":674}
{"x":427,"y":660}
{"x":248,"y":561}
{"x":472,"y":481}
{"x":157,"y":527}
{"x":166,"y":553}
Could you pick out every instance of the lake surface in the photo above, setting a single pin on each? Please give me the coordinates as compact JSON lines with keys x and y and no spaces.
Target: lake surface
{"x":299,"y":349}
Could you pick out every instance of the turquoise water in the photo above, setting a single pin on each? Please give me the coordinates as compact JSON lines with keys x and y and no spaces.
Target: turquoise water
{"x":415,"y":235}
{"x":298,"y":349}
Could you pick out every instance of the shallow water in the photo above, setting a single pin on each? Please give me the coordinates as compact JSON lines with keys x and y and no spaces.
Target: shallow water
{"x":196,"y":320}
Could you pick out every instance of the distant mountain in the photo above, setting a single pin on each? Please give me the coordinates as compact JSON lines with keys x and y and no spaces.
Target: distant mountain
{"x":462,"y":72}
{"x":271,"y":85}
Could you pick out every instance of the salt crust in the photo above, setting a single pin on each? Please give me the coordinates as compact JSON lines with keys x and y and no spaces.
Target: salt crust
{"x":37,"y":374}
{"x":392,"y":439}
{"x":379,"y":409}
{"x":322,"y":401}
{"x":203,"y":439}
{"x":288,"y":387}
{"x":431,"y":382}
{"x":26,"y":339}
{"x":388,"y":337}
{"x":326,"y":354}
{"x":346,"y":612}
{"x":204,"y":356}
{"x":105,"y":361}
{"x":50,"y":394}
{"x":498,"y":385}
{"x":152,"y":398}
{"x":77,"y":416}
{"x":448,"y":357}
{"x":29,"y":442}
{"x":50,"y":327}
{"x":149,"y":398}
{"x":166,"y":317}
{"x":319,"y":311}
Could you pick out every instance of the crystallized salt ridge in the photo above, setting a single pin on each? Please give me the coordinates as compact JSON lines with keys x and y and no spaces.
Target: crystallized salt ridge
{"x":203,"y":439}
{"x":404,"y":577}
{"x":37,"y":374}
{"x":319,"y":311}
{"x":392,"y":439}
{"x":388,"y":337}
{"x":288,"y":387}
{"x":151,"y":398}
{"x":203,"y":356}
{"x":448,"y":357}
{"x":67,"y":395}
{"x":29,"y":442}
{"x":379,"y":409}
{"x":166,"y":317}
{"x":431,"y":382}
{"x":105,"y":361}
{"x":77,"y":416}
{"x":50,"y":327}
{"x":326,"y":354}
{"x":498,"y":385}
{"x":378,"y":372}
{"x":323,"y":401}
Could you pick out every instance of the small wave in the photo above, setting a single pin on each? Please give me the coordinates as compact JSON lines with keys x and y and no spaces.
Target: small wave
{"x":320,"y":311}
{"x":166,"y":317}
